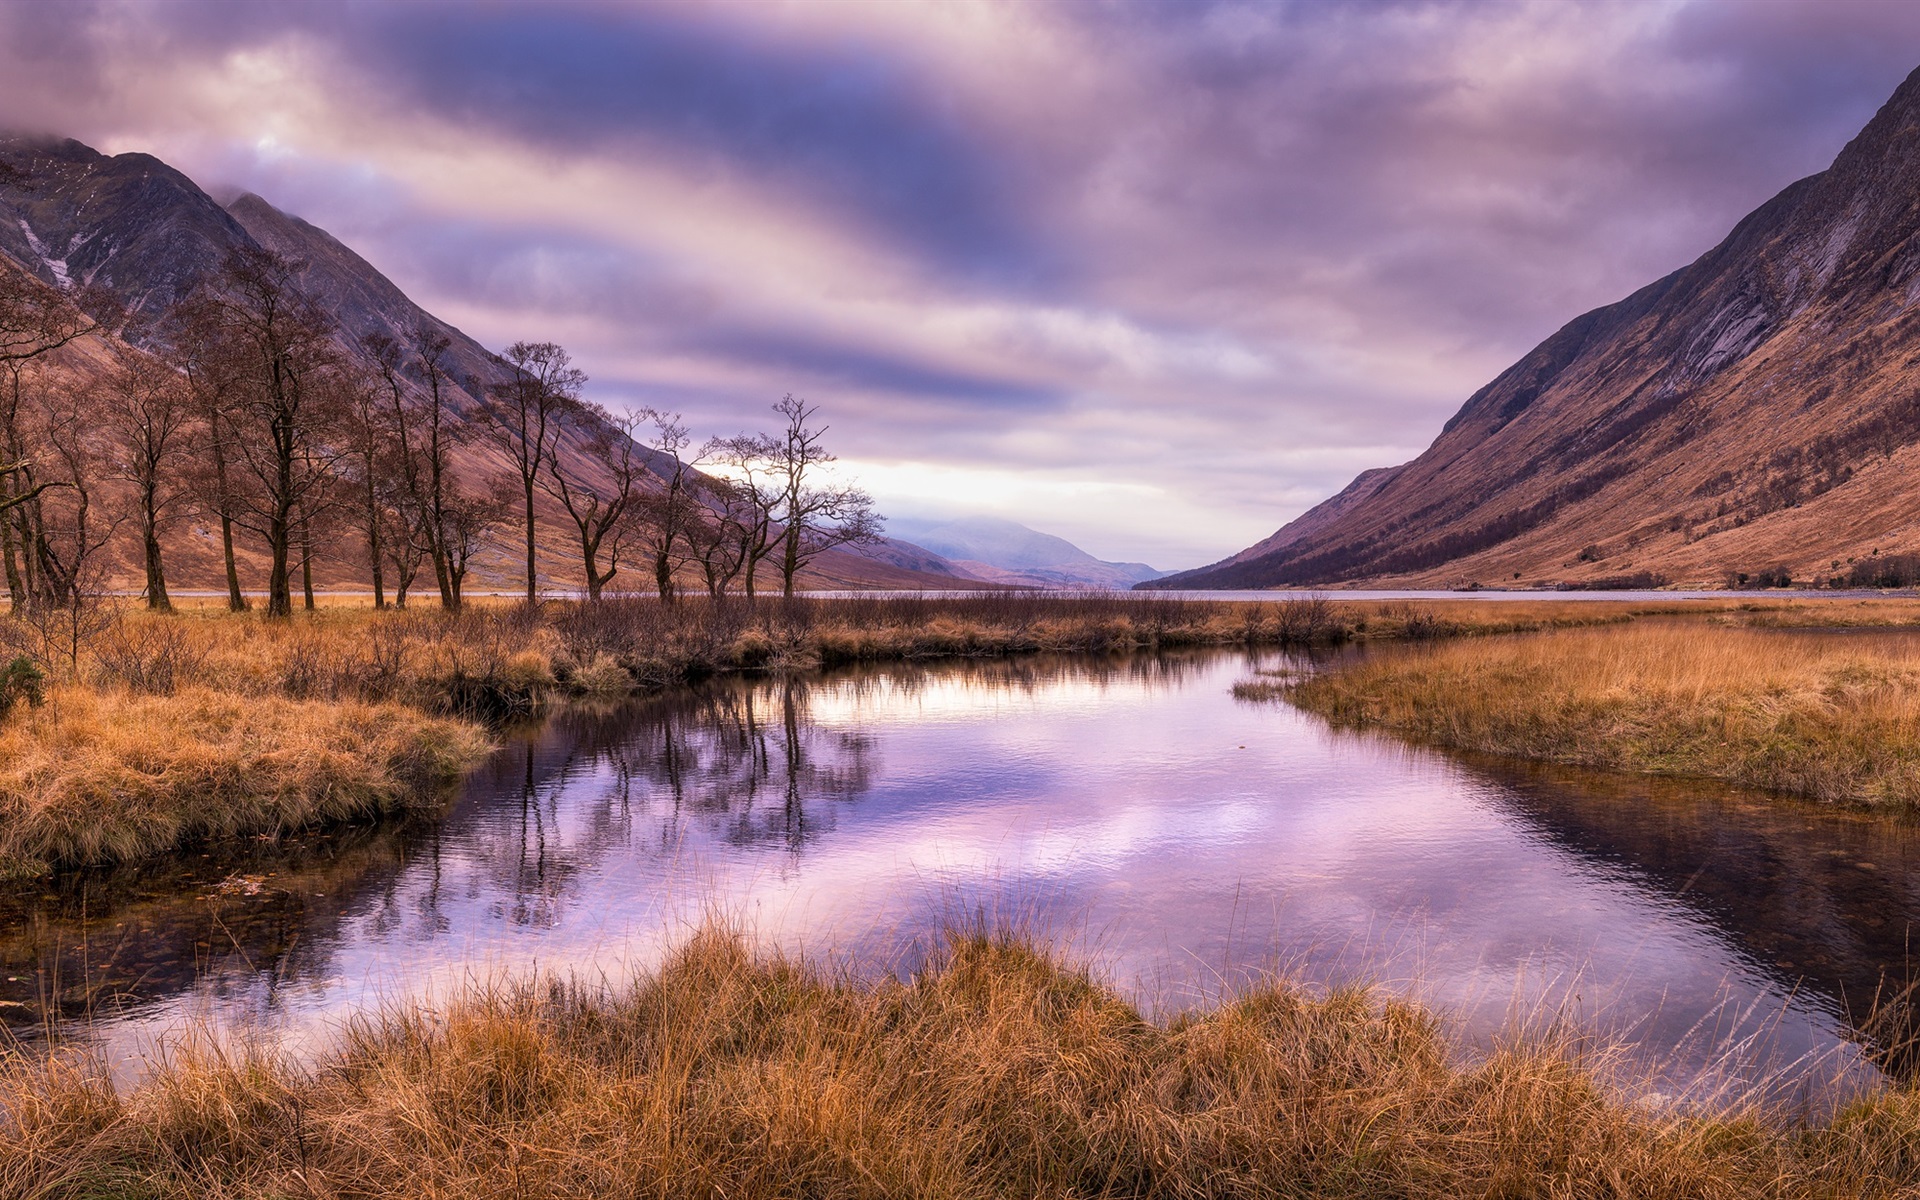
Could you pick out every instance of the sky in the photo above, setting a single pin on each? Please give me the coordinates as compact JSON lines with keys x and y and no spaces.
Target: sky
{"x":1154,"y":277}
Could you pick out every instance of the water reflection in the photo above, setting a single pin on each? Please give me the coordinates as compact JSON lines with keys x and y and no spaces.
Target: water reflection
{"x":99,"y":944}
{"x":1189,"y":841}
{"x":1822,"y":898}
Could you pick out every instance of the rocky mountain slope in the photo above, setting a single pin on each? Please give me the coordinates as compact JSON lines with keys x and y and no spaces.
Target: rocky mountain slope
{"x":1008,"y":552}
{"x":133,"y":227}
{"x":1756,"y":409}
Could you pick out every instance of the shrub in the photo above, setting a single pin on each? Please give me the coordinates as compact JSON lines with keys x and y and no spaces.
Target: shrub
{"x":1765,"y":577}
{"x":1636,"y":581}
{"x":149,"y":656}
{"x":21,"y":680}
{"x":1886,"y":571}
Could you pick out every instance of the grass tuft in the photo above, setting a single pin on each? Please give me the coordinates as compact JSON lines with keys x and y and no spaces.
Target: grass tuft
{"x":93,"y":776}
{"x":1831,"y":717}
{"x":996,"y":1072}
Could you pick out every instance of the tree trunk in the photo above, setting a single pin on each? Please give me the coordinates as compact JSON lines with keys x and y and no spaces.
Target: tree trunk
{"x":789,"y":564}
{"x":16,"y":583}
{"x":157,"y":598}
{"x":236,"y":599}
{"x":590,"y":561}
{"x":306,"y":562}
{"x":436,"y":518}
{"x":533,"y":593}
{"x":663,"y":576}
{"x":279,"y":582}
{"x":30,"y":548}
{"x":440,"y":577}
{"x":373,"y":545}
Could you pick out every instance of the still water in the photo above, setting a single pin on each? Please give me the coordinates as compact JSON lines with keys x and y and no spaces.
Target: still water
{"x":1129,"y":809}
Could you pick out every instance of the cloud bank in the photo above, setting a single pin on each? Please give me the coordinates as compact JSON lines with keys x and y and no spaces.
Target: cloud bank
{"x":1154,"y":277}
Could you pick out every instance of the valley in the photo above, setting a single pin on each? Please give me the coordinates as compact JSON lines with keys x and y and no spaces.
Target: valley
{"x":568,"y":681}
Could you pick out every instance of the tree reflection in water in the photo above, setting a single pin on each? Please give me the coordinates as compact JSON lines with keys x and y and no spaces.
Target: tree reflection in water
{"x":745,"y":758}
{"x":1110,"y":786}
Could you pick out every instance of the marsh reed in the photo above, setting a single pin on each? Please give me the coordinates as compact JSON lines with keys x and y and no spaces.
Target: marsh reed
{"x":1833,"y":717}
{"x":997,"y":1071}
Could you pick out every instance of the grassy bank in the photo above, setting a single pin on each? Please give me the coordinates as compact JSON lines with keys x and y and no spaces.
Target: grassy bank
{"x":1831,"y":717}
{"x":504,"y":658}
{"x":160,"y":731}
{"x":168,"y":729}
{"x":104,"y":776}
{"x":994,"y":1073}
{"x":658,"y":644}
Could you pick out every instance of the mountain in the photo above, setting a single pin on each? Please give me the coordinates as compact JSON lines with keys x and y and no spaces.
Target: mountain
{"x":1007,"y":552}
{"x":129,"y":224}
{"x":134,"y":228}
{"x":1757,"y":409}
{"x":359,"y":298}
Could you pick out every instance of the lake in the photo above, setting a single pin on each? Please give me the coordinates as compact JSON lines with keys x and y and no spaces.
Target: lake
{"x":1128,"y":809}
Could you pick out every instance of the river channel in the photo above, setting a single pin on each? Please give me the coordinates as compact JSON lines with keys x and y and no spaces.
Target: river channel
{"x":1129,"y":809}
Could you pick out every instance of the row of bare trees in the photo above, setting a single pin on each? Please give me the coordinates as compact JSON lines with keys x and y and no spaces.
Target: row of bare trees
{"x":250,"y":415}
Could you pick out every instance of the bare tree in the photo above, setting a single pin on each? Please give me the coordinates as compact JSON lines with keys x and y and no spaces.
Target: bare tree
{"x":753,"y":499}
{"x":406,"y":550}
{"x":146,"y":409}
{"x":327,"y":506}
{"x":525,"y":414}
{"x":284,"y":409}
{"x":35,"y":319}
{"x":471,"y":519}
{"x":23,"y":478}
{"x":424,"y":433}
{"x":672,"y":506}
{"x":600,"y":487}
{"x":66,"y":526}
{"x":373,"y":463}
{"x":815,"y":515}
{"x":720,"y":535}
{"x":213,"y":378}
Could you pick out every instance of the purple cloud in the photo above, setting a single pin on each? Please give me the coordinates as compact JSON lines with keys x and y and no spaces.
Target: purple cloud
{"x":1153,"y":276}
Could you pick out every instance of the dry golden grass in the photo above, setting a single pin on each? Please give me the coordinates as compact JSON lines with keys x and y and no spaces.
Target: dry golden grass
{"x":1833,"y":613}
{"x":100,"y":776}
{"x":174,"y":728}
{"x":1466,"y":615}
{"x":224,"y":775}
{"x":1833,"y":717}
{"x":997,"y":1072}
{"x":431,"y":659}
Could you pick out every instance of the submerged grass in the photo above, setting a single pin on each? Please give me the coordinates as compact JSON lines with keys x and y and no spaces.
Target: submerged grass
{"x":1833,"y":718}
{"x":996,"y":1072}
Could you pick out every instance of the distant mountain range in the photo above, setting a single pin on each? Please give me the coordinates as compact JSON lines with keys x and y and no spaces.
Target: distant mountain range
{"x":1006,"y":552}
{"x":134,"y":227}
{"x":1756,"y":410}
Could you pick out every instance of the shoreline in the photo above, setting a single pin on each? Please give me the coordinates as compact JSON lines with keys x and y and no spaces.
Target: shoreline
{"x":445,"y":678}
{"x":998,"y":1070}
{"x":168,"y":729}
{"x":1769,"y":705}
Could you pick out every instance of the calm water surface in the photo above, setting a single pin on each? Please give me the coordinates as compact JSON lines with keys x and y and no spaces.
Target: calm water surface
{"x":1129,"y":808}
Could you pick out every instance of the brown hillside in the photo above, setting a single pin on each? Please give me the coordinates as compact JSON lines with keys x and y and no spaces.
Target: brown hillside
{"x":133,"y":227}
{"x":1759,"y":407}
